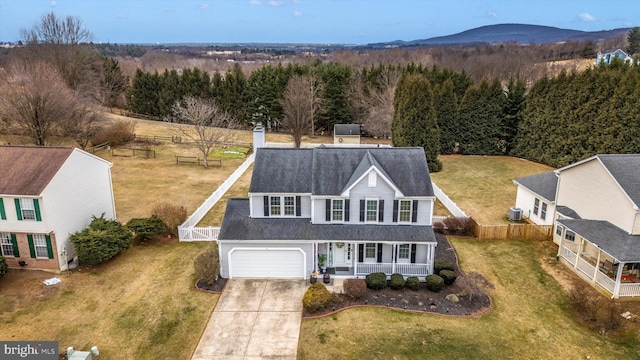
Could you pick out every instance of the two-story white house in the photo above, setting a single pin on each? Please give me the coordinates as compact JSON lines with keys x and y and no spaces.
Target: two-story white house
{"x":362,"y":210}
{"x":47,"y":194}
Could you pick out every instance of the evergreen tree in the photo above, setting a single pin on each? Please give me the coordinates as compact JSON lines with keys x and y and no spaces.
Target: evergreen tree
{"x":633,"y":40}
{"x":480,"y":115}
{"x":447,"y":115}
{"x":335,"y":110}
{"x":513,"y":110}
{"x":414,"y":120}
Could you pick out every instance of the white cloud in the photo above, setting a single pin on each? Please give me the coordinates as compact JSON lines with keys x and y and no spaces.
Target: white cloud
{"x":297,"y":13}
{"x":586,"y":17}
{"x":54,"y":3}
{"x":204,"y":6}
{"x":492,"y":14}
{"x":274,"y":3}
{"x":255,"y":2}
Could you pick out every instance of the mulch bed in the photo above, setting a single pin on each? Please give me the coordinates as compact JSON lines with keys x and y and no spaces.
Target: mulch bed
{"x":216,"y":287}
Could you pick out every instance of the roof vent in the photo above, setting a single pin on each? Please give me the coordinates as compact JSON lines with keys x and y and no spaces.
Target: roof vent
{"x":515,"y":214}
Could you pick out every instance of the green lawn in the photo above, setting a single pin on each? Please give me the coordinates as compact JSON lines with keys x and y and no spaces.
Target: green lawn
{"x":530,"y":319}
{"x":482,"y":186}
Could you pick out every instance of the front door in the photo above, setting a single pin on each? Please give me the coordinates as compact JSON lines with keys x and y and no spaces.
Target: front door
{"x":342,"y":253}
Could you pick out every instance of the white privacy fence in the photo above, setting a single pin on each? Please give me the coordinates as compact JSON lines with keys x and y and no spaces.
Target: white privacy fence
{"x":188,"y":230}
{"x":448,"y":203}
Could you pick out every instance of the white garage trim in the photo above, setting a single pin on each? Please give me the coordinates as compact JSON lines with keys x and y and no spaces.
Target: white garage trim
{"x":301,"y":274}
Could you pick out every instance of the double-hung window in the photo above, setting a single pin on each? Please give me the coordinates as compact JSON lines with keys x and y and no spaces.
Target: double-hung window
{"x":275,"y":206}
{"x":370,"y":251}
{"x":40,"y":245}
{"x":543,"y":211}
{"x":559,"y":229}
{"x":337,"y":210}
{"x":289,"y":206}
{"x":404,"y":252}
{"x":570,"y":235}
{"x":536,"y":205}
{"x":372,"y":210}
{"x":6,"y":244}
{"x":404,"y":211}
{"x":27,"y":209}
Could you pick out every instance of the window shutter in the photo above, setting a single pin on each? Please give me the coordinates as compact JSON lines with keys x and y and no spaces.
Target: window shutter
{"x":36,"y":206}
{"x":14,"y":243}
{"x":361,"y":210}
{"x":346,"y":210}
{"x":360,"y":252}
{"x":266,"y":205}
{"x":49,"y":247}
{"x":3,"y":215}
{"x":18,"y":210}
{"x":395,"y":210}
{"x":413,"y":253}
{"x":414,"y":211}
{"x":327,"y":210}
{"x":298,"y":206}
{"x":379,"y":259}
{"x":32,"y":248}
{"x":396,"y":248}
{"x":381,"y":211}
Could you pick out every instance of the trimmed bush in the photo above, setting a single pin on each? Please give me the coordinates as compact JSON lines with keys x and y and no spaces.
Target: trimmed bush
{"x":434,"y":283}
{"x":448,"y":276}
{"x":376,"y":281}
{"x":413,"y":283}
{"x":207,"y":266}
{"x":171,"y":214}
{"x":145,"y":228}
{"x":355,"y":288}
{"x":3,"y":267}
{"x":316,"y":297}
{"x":440,"y":265}
{"x":101,"y":240}
{"x":396,"y":282}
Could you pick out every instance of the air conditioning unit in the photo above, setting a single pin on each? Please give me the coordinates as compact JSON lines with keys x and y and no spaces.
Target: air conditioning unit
{"x":515,"y":214}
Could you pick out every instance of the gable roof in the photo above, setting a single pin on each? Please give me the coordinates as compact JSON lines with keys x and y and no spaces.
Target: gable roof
{"x":237,"y":225}
{"x":328,"y":171}
{"x":27,"y":170}
{"x":544,"y":184}
{"x":608,"y":237}
{"x":346,"y":129}
{"x":624,"y":169}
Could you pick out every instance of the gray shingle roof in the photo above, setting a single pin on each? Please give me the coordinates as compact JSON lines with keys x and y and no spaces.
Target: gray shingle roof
{"x":568,"y":212}
{"x":237,"y":225}
{"x":327,"y":171}
{"x":610,"y":238}
{"x":27,"y":170}
{"x":346,"y":129}
{"x":625,"y":168}
{"x":544,"y":184}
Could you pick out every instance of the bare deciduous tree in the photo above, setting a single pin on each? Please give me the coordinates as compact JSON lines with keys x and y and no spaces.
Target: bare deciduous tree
{"x":298,"y":106}
{"x":202,"y":122}
{"x":374,"y":103}
{"x":37,"y":101}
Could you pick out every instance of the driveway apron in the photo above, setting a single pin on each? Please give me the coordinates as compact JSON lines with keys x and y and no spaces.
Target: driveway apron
{"x":254,"y":319}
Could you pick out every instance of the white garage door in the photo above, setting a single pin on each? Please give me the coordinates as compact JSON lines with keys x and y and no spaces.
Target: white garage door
{"x":267,"y":263}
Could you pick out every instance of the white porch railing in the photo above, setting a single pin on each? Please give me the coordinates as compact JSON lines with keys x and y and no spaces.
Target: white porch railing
{"x":363,"y":269}
{"x":193,"y":233}
{"x":568,"y":255}
{"x":629,"y":289}
{"x":606,"y":282}
{"x":586,"y":268}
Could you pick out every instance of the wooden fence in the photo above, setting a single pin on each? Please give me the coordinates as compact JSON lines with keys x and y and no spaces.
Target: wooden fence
{"x":513,"y":231}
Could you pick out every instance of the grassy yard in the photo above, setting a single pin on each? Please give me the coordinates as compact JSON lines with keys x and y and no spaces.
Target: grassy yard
{"x":530,"y":319}
{"x":482,"y":185}
{"x":140,"y":305}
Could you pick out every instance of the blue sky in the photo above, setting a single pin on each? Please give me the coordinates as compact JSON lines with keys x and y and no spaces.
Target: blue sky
{"x":309,"y":21}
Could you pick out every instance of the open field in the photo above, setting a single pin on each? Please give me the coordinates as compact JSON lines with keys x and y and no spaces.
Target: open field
{"x":482,"y":185}
{"x":530,"y":319}
{"x":140,"y":305}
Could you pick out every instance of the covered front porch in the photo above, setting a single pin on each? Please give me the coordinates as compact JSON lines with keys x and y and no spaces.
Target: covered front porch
{"x":351,"y":259}
{"x":601,"y":257}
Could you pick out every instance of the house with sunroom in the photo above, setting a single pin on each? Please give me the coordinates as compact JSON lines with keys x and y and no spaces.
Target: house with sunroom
{"x":47,"y":194}
{"x":361,"y":210}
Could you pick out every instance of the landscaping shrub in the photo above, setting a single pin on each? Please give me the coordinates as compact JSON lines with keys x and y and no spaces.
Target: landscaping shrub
{"x":448,"y":276}
{"x":440,"y":265}
{"x":145,"y":228}
{"x":101,"y":240}
{"x":434,"y":282}
{"x":413,"y":283}
{"x":207,"y":266}
{"x":376,"y":281}
{"x":591,"y":306}
{"x":396,"y":282}
{"x":438,"y":227}
{"x":355,"y":288}
{"x":460,"y":225}
{"x":3,"y":267}
{"x":316,"y":297}
{"x":117,"y":133}
{"x":173,"y":215}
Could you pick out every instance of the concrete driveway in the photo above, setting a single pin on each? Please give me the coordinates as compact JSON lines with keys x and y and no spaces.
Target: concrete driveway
{"x":254,"y":319}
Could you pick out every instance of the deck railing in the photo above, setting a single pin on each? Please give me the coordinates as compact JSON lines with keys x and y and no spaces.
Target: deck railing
{"x":629,"y":289}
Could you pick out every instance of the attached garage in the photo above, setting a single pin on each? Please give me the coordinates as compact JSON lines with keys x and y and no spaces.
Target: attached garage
{"x":272,"y":263}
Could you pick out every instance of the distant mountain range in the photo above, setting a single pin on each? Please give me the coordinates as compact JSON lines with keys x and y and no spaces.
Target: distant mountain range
{"x":518,"y":33}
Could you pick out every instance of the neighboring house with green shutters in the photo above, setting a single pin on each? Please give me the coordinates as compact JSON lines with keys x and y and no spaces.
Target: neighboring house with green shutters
{"x":47,"y":194}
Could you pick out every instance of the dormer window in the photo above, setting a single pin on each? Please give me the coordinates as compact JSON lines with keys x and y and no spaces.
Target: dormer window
{"x":282,"y":206}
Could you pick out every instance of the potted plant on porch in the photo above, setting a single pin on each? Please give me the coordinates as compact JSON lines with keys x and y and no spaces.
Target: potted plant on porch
{"x":322,"y":258}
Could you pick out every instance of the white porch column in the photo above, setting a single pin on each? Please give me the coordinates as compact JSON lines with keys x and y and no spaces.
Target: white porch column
{"x":595,"y":273}
{"x":561,"y":239}
{"x":355,"y":259}
{"x":616,"y":288}
{"x":394,"y":248}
